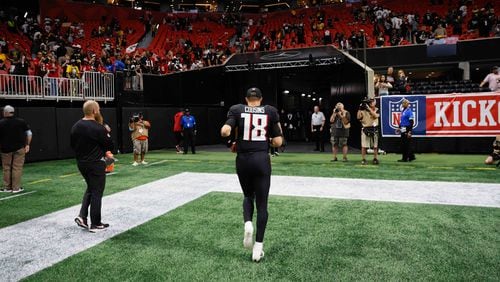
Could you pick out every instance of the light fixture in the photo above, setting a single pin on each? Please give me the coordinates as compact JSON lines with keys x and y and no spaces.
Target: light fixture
{"x":303,"y":95}
{"x":314,"y":99}
{"x":309,"y":96}
{"x":286,"y":91}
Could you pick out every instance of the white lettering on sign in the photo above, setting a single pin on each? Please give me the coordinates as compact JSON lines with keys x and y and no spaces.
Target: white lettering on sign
{"x":485,"y":112}
{"x":441,"y":108}
{"x":465,"y":113}
{"x":462,"y":110}
{"x":456,"y":112}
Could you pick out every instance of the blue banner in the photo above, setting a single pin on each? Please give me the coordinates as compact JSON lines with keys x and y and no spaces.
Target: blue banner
{"x":390,"y":114}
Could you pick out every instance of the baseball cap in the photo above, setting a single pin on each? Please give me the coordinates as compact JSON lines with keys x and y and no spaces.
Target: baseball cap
{"x":8,"y":109}
{"x":254,"y":92}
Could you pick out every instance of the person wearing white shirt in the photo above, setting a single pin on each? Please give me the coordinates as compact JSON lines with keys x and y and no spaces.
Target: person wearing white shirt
{"x":493,"y":80}
{"x":383,"y":86}
{"x":317,"y":125}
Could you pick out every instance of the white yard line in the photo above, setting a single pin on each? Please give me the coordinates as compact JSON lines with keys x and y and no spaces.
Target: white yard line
{"x":158,"y":162}
{"x":33,"y":245}
{"x":18,"y":195}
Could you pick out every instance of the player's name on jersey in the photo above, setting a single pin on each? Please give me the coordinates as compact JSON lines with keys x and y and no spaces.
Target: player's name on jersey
{"x":255,"y":110}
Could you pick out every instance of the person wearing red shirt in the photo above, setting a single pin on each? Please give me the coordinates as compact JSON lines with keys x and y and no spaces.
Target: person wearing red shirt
{"x":178,"y":130}
{"x":52,"y":74}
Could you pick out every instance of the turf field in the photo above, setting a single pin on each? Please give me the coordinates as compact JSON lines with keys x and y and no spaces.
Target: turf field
{"x":59,"y":185}
{"x":307,"y":240}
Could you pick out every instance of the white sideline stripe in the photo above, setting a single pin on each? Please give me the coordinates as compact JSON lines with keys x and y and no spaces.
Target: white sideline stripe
{"x":33,"y":245}
{"x":158,"y":162}
{"x":18,"y":195}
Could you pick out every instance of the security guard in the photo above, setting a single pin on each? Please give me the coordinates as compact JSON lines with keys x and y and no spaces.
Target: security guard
{"x":188,"y":123}
{"x":405,"y":128}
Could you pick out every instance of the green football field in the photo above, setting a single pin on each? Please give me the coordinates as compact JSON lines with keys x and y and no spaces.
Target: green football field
{"x":307,"y":238}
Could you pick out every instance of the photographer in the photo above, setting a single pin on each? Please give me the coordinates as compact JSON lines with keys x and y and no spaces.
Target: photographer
{"x":340,"y":121}
{"x":495,"y":155}
{"x":405,"y":129}
{"x":140,"y":134}
{"x":368,"y":116}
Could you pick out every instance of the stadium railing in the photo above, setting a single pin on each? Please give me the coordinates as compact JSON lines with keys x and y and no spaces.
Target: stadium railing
{"x":93,"y":85}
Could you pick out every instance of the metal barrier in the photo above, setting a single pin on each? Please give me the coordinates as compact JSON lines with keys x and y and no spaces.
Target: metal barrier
{"x":93,"y":85}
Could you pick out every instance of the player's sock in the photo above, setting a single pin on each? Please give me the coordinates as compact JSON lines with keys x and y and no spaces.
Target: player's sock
{"x":258,"y":251}
{"x":248,"y":236}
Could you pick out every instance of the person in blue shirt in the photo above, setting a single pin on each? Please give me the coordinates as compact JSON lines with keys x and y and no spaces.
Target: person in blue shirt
{"x":405,"y":128}
{"x":118,"y":65}
{"x":188,"y":123}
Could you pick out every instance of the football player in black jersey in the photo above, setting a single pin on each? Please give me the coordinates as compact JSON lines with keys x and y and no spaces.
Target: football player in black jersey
{"x":257,"y":127}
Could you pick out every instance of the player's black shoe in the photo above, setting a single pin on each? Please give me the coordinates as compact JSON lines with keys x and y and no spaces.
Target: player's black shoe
{"x":98,"y":227}
{"x":82,"y":222}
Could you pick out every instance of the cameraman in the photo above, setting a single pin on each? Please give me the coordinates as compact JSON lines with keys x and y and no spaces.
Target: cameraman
{"x":140,"y":134}
{"x":368,"y":116}
{"x":495,"y":155}
{"x":340,"y":121}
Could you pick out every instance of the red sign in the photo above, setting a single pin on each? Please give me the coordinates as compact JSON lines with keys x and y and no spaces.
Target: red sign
{"x":472,"y":114}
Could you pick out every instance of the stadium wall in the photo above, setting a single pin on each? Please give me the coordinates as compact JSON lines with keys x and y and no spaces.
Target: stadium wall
{"x":416,"y":55}
{"x":51,"y":128}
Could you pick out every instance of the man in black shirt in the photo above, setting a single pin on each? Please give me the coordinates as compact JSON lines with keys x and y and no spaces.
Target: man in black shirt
{"x":15,"y":139}
{"x":90,"y":140}
{"x":256,"y":127}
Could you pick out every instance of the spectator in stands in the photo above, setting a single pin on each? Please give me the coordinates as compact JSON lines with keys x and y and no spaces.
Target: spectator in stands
{"x":380,"y":40}
{"x":421,"y":36}
{"x":496,"y":28}
{"x":383,"y":86}
{"x":21,"y":66}
{"x":389,"y":77}
{"x":401,"y":81}
{"x":118,"y":65}
{"x":72,"y":69}
{"x":15,"y":140}
{"x":439,"y":32}
{"x":3,"y":68}
{"x":492,"y":79}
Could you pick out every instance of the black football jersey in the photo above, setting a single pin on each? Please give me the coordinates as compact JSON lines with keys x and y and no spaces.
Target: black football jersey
{"x":255,"y":126}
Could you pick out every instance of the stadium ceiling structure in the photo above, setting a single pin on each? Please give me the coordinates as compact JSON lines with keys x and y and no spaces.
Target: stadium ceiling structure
{"x":294,"y":58}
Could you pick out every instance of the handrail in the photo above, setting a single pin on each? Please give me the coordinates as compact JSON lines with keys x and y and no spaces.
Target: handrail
{"x":93,"y":85}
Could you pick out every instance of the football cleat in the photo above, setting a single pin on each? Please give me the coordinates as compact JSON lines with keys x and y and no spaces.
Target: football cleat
{"x":258,"y":251}
{"x":247,"y":237}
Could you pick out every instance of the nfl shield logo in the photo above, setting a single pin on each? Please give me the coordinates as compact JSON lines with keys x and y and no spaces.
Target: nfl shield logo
{"x":395,"y":110}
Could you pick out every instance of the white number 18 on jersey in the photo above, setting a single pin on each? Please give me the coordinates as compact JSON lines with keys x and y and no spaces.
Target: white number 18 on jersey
{"x":254,"y":127}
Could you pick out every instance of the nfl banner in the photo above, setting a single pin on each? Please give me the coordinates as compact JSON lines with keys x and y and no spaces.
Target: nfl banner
{"x":452,"y":115}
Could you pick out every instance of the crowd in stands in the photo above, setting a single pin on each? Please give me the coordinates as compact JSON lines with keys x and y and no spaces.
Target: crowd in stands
{"x":52,"y":47}
{"x":392,"y":83}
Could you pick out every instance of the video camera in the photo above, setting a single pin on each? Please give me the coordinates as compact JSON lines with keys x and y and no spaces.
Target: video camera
{"x":135,"y":117}
{"x":365,"y":104}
